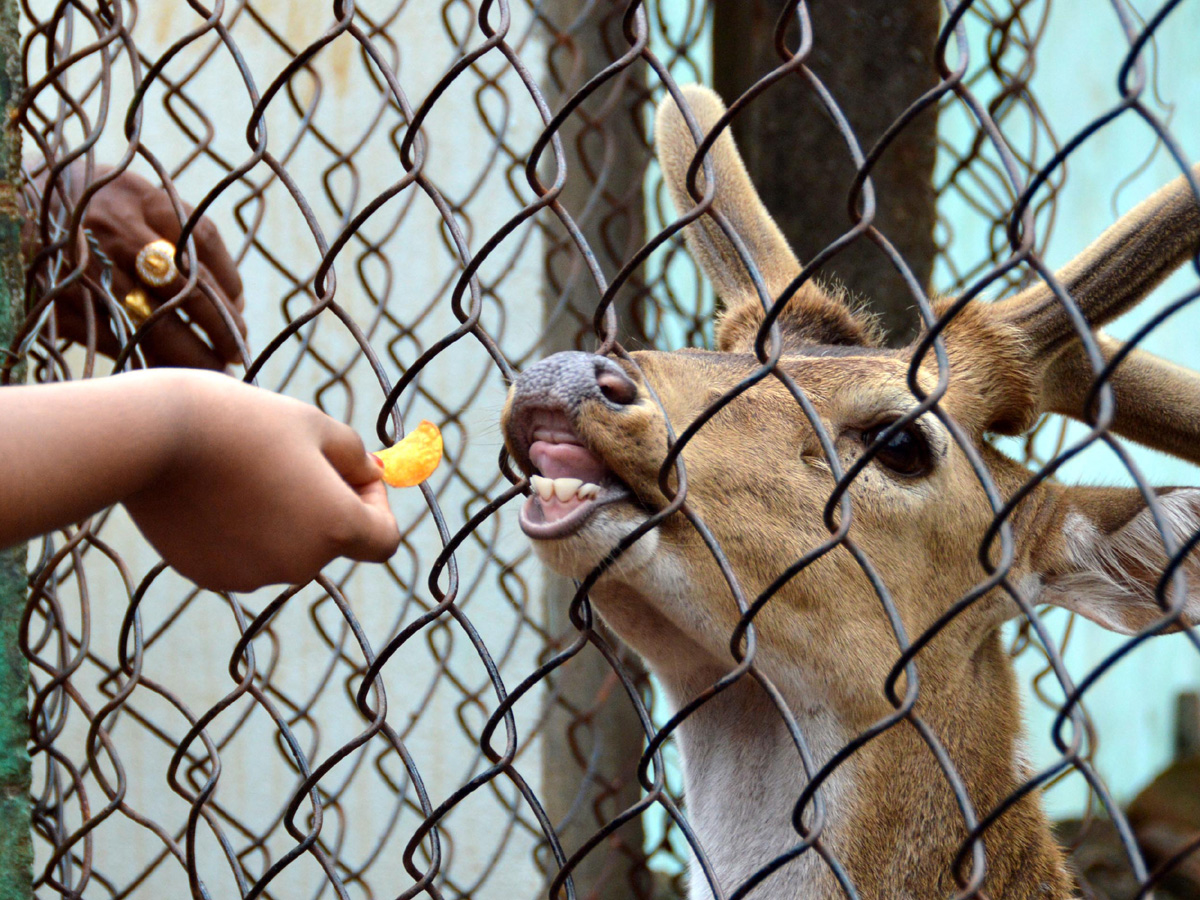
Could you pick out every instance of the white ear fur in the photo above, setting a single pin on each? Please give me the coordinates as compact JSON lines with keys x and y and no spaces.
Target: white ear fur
{"x":1111,"y":578}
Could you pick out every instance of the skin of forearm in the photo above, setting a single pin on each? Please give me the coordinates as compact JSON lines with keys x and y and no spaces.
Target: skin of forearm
{"x":69,"y":450}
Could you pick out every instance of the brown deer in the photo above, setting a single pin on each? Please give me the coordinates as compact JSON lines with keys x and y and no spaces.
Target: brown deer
{"x":592,"y":434}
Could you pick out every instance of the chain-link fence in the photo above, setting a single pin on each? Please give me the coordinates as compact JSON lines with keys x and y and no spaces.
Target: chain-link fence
{"x":416,"y":201}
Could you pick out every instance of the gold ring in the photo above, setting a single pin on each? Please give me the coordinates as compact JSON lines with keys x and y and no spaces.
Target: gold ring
{"x":137,"y":304}
{"x":155,"y":264}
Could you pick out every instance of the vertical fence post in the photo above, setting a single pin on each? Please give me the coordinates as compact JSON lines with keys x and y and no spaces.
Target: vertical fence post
{"x":16,"y":848}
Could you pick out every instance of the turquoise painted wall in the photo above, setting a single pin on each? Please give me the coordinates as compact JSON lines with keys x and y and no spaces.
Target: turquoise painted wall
{"x":1133,"y":705}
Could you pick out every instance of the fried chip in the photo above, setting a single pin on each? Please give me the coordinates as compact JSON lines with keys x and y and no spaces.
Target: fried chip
{"x":411,"y":460}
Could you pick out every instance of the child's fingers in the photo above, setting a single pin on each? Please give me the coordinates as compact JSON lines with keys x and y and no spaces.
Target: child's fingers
{"x":345,"y":451}
{"x":369,"y":532}
{"x":373,"y":494}
{"x":376,"y":535}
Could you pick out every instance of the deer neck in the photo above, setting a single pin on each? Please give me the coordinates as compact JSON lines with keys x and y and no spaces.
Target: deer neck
{"x":742,"y":775}
{"x":891,"y":818}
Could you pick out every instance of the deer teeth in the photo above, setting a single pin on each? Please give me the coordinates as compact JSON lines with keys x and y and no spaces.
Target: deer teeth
{"x":543,"y":486}
{"x":565,"y":488}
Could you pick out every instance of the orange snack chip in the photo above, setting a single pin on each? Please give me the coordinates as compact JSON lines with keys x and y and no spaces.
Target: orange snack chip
{"x":411,"y":460}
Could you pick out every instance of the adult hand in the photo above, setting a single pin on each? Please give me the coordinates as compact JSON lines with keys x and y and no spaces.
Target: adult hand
{"x":261,"y":489}
{"x":123,"y":217}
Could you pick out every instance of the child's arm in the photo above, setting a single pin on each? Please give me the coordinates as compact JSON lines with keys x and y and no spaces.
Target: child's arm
{"x":235,"y":486}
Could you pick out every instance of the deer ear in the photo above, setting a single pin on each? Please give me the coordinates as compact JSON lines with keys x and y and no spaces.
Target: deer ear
{"x":734,"y":197}
{"x":812,"y":316}
{"x":1110,"y":557}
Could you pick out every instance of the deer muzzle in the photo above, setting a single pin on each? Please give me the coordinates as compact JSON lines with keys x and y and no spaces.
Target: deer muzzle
{"x":571,"y":480}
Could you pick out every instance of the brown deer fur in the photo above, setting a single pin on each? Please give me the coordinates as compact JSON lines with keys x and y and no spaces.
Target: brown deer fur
{"x":759,"y":480}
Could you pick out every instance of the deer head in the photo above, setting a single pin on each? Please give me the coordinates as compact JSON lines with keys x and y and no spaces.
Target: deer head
{"x":756,"y":478}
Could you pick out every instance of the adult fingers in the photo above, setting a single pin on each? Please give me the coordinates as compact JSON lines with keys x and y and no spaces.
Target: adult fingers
{"x":123,"y":241}
{"x":168,"y":341}
{"x":160,"y":215}
{"x":199,"y":307}
{"x":73,"y":325}
{"x":214,"y":254}
{"x":120,"y":234}
{"x":203,"y":310}
{"x":205,"y":314}
{"x":143,"y":215}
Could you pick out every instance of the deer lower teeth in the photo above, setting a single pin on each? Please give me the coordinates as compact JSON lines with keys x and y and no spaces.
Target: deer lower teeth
{"x":564,"y":489}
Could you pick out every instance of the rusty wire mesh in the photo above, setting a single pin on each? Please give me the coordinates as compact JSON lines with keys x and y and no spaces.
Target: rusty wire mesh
{"x":411,"y":234}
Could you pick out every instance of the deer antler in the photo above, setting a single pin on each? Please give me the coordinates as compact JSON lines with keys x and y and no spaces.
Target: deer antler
{"x":1158,"y":403}
{"x":1116,"y":271}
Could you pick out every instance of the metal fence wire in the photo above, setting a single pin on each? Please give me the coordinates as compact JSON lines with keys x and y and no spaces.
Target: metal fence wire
{"x":424,"y":198}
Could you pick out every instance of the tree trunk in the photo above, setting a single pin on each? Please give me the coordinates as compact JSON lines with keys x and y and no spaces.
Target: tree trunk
{"x":876,"y":58}
{"x":16,"y":847}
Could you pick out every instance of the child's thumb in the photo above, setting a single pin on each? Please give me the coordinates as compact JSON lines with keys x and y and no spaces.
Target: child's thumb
{"x":345,"y":451}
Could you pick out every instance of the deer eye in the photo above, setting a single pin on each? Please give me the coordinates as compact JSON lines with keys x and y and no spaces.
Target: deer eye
{"x":906,"y":452}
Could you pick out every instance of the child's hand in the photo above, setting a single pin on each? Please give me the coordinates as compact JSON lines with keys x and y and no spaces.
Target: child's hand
{"x":261,"y":489}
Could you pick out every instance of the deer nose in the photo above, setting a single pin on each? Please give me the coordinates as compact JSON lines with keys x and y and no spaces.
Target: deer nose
{"x":617,"y":387}
{"x":566,"y":379}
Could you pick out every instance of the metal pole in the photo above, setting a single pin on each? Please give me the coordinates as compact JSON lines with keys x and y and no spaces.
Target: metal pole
{"x":16,"y":847}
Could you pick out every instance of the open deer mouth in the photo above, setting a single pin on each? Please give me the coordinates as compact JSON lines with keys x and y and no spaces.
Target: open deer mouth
{"x":570,"y":482}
